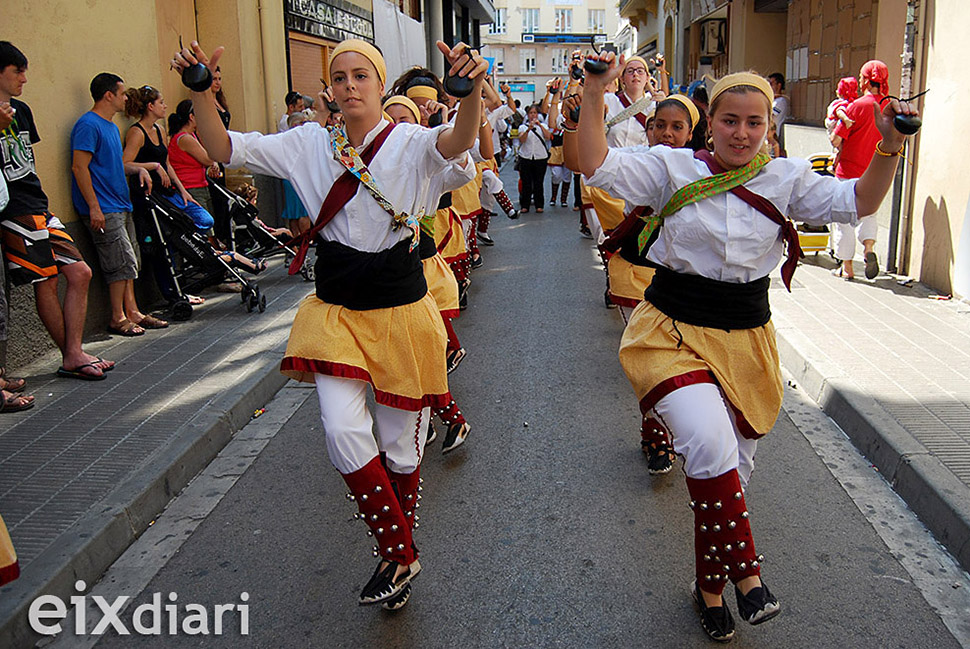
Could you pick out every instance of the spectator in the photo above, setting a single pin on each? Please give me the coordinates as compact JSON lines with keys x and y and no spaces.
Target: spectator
{"x":293,"y":211}
{"x":779,"y":107}
{"x":100,"y":194}
{"x":51,"y":252}
{"x":220,"y":206}
{"x":294,"y":104}
{"x":189,"y":159}
{"x":533,"y":156}
{"x":855,"y":147}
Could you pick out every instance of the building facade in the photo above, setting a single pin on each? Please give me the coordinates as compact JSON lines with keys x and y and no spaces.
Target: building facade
{"x":531,"y":41}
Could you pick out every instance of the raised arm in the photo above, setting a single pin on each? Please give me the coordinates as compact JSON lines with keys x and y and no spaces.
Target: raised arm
{"x":592,"y":133}
{"x":209,"y":127}
{"x":455,"y":141}
{"x":872,"y":187}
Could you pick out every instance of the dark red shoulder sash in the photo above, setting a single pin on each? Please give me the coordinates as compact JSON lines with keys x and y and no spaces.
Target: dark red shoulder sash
{"x":766,"y":207}
{"x":342,"y":190}
{"x":626,"y":104}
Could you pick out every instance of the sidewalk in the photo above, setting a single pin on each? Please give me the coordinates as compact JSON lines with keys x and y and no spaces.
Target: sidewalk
{"x":85,"y":472}
{"x":892,"y":367}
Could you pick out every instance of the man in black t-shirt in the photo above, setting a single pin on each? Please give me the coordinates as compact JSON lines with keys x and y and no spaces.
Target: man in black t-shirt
{"x":36,"y":247}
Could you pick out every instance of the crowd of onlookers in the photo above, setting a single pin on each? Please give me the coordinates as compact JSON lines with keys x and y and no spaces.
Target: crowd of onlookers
{"x":112,"y":177}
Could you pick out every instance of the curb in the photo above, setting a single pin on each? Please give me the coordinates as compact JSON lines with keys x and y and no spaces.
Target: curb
{"x":89,"y":547}
{"x":939,"y":499}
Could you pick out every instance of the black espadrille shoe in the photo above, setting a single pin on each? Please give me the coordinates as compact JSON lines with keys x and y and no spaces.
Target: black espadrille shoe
{"x":758,"y":606}
{"x":717,"y":620}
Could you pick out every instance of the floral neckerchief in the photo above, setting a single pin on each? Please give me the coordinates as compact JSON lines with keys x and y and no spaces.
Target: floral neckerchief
{"x":346,"y":155}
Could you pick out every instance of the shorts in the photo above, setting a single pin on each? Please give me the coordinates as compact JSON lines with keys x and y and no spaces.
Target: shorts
{"x":35,"y":245}
{"x":116,"y":255}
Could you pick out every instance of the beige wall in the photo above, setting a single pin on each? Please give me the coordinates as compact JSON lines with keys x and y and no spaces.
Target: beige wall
{"x":757,"y":40}
{"x":940,"y":193}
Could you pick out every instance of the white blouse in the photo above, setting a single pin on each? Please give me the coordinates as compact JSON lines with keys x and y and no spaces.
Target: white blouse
{"x":534,"y":146}
{"x":722,"y":237}
{"x":629,"y":132}
{"x":403,"y":169}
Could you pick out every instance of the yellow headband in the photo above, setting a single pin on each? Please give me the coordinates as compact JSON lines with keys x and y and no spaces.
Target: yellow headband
{"x":407,"y":103}
{"x":422,"y":92}
{"x":695,"y":115}
{"x":637,"y":58}
{"x":743,"y":79}
{"x":366,"y":50}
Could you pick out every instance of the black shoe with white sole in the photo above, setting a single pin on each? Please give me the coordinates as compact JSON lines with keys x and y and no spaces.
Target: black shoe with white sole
{"x":455,"y":436}
{"x":717,"y":620}
{"x":758,"y":606}
{"x":485,"y":239}
{"x":432,"y":433}
{"x":659,"y":461}
{"x":384,"y":586}
{"x":397,"y":602}
{"x":455,"y":358}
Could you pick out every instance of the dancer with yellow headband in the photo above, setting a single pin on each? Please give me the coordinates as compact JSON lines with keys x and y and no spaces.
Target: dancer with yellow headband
{"x":700,"y":349}
{"x":441,"y":284}
{"x":372,"y":319}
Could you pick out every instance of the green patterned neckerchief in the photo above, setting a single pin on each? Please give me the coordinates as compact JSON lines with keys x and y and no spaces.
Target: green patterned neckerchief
{"x":699,"y":190}
{"x":346,"y":155}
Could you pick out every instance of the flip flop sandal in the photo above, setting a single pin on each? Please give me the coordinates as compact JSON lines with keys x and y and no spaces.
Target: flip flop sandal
{"x":126,"y":328}
{"x":151,"y":322}
{"x":195,"y":300}
{"x":12,"y":384}
{"x":78,"y":373}
{"x":872,"y":265}
{"x":107,"y":368}
{"x":16,"y":404}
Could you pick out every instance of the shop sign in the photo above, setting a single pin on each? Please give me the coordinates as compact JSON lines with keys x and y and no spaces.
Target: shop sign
{"x":335,"y":21}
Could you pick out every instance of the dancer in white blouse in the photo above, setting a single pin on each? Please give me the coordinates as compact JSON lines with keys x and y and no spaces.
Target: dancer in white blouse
{"x":372,"y":319}
{"x":700,"y":349}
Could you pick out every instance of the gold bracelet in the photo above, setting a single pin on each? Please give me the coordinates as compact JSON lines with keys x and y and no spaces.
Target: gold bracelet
{"x":884,"y":154}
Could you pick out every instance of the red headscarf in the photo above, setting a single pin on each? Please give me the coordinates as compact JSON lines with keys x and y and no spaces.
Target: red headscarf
{"x":848,"y":88}
{"x":876,"y":72}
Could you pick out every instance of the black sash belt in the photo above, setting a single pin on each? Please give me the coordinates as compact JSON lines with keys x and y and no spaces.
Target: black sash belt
{"x":445,"y":201}
{"x":368,"y":280}
{"x":426,"y":246}
{"x":707,"y":302}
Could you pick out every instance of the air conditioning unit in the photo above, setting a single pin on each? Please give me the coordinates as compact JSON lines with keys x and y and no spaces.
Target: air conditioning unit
{"x":528,"y":38}
{"x":713,"y":37}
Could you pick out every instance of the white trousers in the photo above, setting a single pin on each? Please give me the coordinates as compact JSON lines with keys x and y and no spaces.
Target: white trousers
{"x":844,"y":236}
{"x":349,"y":428}
{"x":491,"y":183}
{"x":594,"y":226}
{"x":560,"y":175}
{"x":703,"y":429}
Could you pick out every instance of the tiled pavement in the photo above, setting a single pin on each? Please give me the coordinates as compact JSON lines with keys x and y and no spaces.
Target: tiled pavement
{"x":891,"y":365}
{"x":86,"y":470}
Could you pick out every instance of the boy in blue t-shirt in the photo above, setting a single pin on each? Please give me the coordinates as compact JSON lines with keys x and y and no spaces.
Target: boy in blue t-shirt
{"x":99,"y":190}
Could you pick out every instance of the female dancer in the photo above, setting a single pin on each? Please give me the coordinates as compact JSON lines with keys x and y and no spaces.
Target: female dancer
{"x":372,"y":319}
{"x":700,"y":349}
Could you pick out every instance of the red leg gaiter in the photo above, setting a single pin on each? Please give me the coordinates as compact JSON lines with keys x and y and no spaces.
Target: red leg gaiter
{"x":723,"y":546}
{"x":450,"y":414}
{"x":505,"y":203}
{"x":407,"y":487}
{"x":483,"y":220}
{"x":370,"y":487}
{"x":653,"y":433}
{"x":453,"y":343}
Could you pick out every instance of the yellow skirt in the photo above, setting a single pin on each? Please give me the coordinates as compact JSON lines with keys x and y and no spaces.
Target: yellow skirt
{"x":399,"y":350}
{"x":555,"y":155}
{"x":442,"y":285}
{"x":465,"y":199}
{"x":660,"y":356}
{"x":448,"y":235}
{"x":627,"y":281}
{"x":609,"y":210}
{"x":9,"y":566}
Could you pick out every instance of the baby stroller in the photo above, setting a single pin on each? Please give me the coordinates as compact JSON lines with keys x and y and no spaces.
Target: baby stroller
{"x":250,"y":237}
{"x":191,"y":260}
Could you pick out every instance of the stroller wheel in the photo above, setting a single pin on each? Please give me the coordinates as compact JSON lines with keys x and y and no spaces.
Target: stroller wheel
{"x":182,"y":310}
{"x":245,"y":294}
{"x":307,"y":272}
{"x":262,"y":303}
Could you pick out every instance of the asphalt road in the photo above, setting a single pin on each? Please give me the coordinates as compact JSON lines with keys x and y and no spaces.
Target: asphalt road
{"x":545,"y":529}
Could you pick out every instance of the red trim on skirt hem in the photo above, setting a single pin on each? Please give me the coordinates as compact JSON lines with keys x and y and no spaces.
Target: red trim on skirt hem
{"x":624,"y":301}
{"x":667,"y":386}
{"x":9,"y":573}
{"x":342,"y":370}
{"x":470,"y":215}
{"x":451,"y":313}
